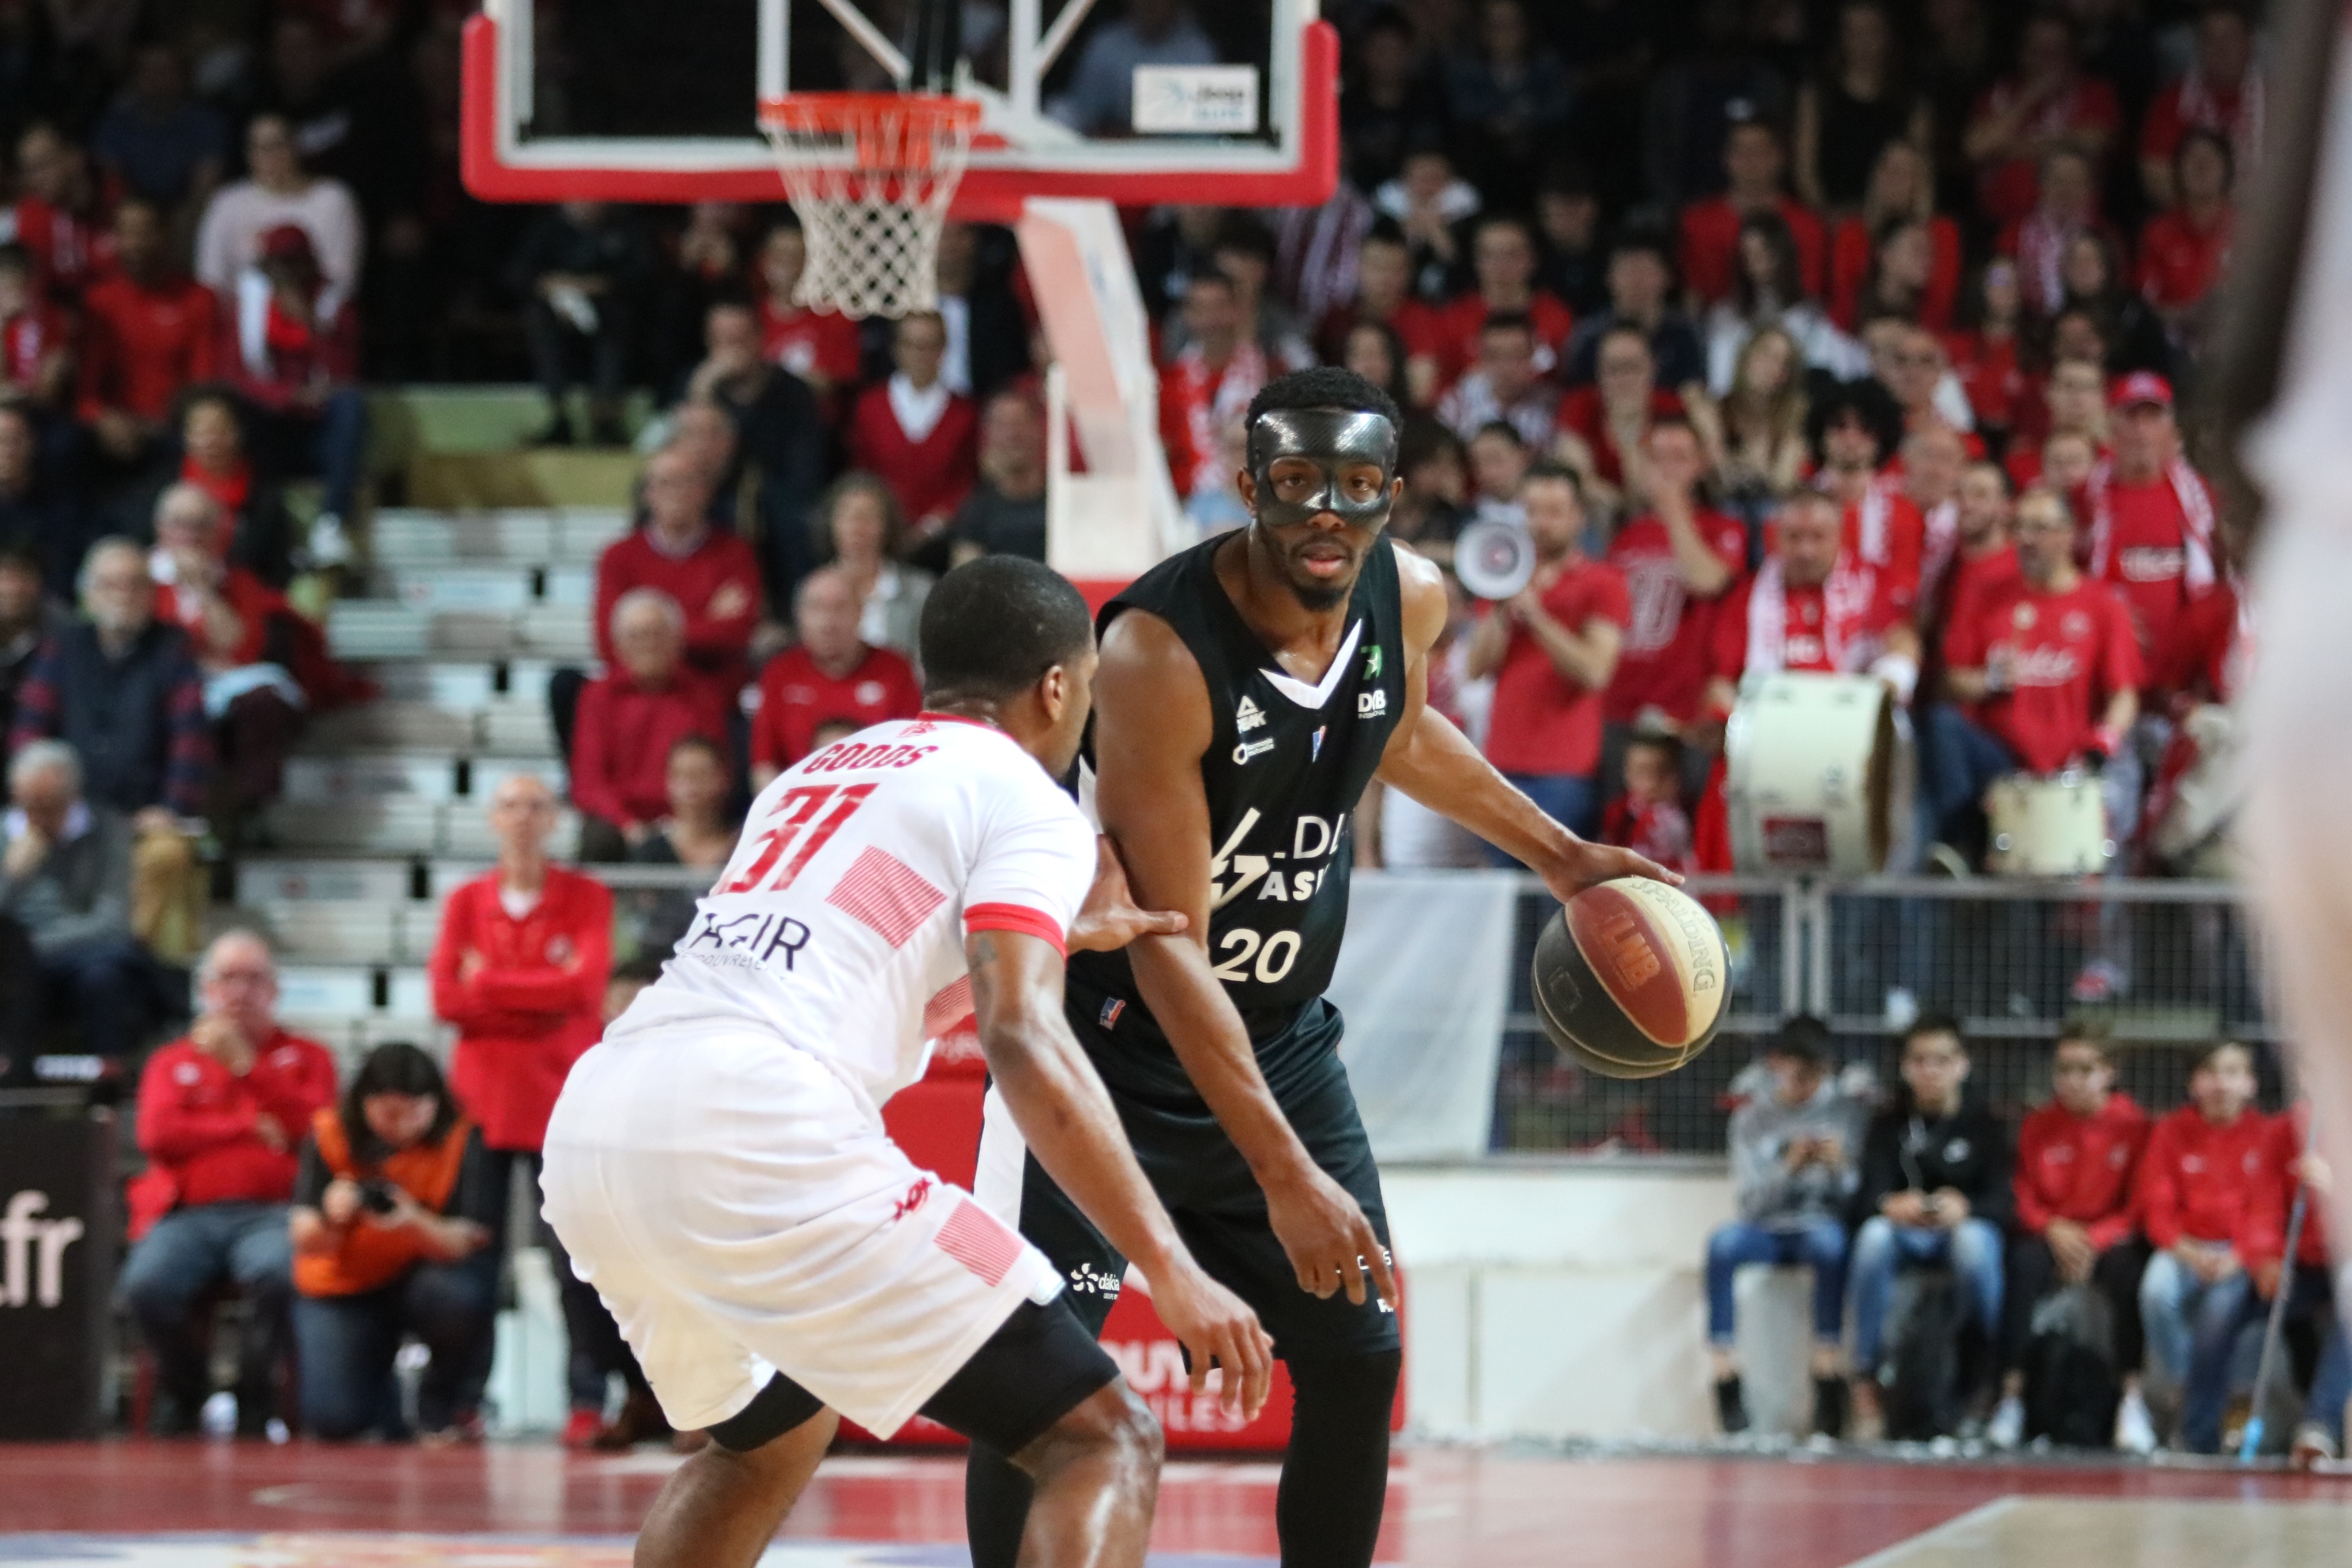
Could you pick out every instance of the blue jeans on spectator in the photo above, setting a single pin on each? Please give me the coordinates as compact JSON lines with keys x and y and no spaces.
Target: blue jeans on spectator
{"x":1882,"y":1248}
{"x":2191,"y":1329}
{"x":175,"y":1266}
{"x":1818,"y":1244}
{"x":1569,"y":799}
{"x":330,"y":443}
{"x":2331,"y":1380}
{"x":1956,"y":761}
{"x":103,"y":985}
{"x":348,"y":1344}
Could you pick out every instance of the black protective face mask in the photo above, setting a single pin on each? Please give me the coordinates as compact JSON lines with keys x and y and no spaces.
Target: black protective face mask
{"x":1333,"y":439}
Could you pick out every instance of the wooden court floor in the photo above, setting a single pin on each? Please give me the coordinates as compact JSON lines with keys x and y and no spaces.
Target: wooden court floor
{"x":225,"y":1505}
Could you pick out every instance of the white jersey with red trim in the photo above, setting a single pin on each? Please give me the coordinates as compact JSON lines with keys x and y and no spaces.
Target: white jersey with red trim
{"x":839,"y":923}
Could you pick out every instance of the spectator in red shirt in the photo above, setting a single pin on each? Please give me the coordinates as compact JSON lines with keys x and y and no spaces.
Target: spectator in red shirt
{"x":1384,"y":294}
{"x":36,"y":361}
{"x":1983,"y":352}
{"x":1856,"y":427}
{"x":61,"y":215}
{"x":2065,"y":208}
{"x":2075,"y":399}
{"x":1502,"y":263}
{"x":2077,"y":1215}
{"x":1602,"y":424}
{"x":1900,"y":198}
{"x":2206,"y":1165}
{"x":2152,"y":515}
{"x":1934,"y":458}
{"x":237,"y":629}
{"x":2182,"y":249}
{"x":519,"y":968}
{"x":221,"y":1110}
{"x":149,"y":333}
{"x":290,"y":348}
{"x":921,"y":437}
{"x":213,"y":459}
{"x":1755,"y":164}
{"x":1984,"y":562}
{"x":1552,"y":648}
{"x":1813,"y":605}
{"x":1504,"y":385}
{"x":829,"y":675}
{"x":1677,"y":559}
{"x":629,"y":718}
{"x":1648,"y":818}
{"x":819,"y":346}
{"x":711,"y":574}
{"x":2054,"y":670}
{"x":2045,"y":104}
{"x":2221,"y":93}
{"x":1208,"y":385}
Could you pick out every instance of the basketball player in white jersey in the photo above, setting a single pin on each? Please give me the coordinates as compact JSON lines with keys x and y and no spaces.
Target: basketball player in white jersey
{"x":2282,"y":379}
{"x":718,"y":1170}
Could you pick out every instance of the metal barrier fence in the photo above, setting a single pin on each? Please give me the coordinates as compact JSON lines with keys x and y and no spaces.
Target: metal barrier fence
{"x":2002,"y":958}
{"x":1998,"y":956}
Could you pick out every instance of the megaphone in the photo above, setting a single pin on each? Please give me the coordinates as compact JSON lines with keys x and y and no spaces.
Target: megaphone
{"x":1494,"y":559}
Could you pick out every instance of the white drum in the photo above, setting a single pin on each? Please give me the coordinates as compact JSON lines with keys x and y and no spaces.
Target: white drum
{"x":2054,"y":826}
{"x":1815,"y":778}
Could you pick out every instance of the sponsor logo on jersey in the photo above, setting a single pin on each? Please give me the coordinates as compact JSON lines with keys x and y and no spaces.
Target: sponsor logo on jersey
{"x":1248,"y":716}
{"x":1315,"y":748}
{"x":1372,"y":663}
{"x":1248,"y":749}
{"x":915,"y":1198}
{"x":1111,"y":1008}
{"x":1372,"y":704}
{"x":746,"y":942}
{"x":2152,"y":563}
{"x":1088,"y":1280}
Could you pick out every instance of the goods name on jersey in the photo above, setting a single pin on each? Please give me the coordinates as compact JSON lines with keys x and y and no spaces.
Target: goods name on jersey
{"x":753,"y":941}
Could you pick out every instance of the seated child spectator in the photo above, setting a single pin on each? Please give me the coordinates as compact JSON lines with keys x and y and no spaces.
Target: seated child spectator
{"x":1648,"y":818}
{"x":1792,"y":1176}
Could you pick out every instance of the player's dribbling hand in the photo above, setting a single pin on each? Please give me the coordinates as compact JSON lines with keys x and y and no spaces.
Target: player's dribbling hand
{"x":1329,"y":1242}
{"x":1215,"y":1326}
{"x":1110,"y":919}
{"x":1586,"y":865}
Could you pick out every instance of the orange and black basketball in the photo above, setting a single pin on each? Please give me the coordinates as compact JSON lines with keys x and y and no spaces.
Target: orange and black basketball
{"x":1629,"y":978}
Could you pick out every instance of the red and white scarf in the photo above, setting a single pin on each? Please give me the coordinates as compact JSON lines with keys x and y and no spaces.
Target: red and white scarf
{"x":2042,"y":244}
{"x":1207,"y":411}
{"x":2198,"y":570}
{"x":1846,"y":599}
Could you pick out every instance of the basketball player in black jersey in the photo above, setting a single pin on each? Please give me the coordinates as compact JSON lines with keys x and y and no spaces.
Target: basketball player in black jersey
{"x":1249,"y":689}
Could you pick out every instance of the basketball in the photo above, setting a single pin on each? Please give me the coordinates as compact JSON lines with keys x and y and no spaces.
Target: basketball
{"x":1629,"y":978}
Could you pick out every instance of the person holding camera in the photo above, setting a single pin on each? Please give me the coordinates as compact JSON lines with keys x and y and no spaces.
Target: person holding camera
{"x":393,"y":1212}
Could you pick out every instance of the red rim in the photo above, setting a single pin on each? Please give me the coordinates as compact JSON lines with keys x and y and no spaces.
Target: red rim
{"x":848,"y":112}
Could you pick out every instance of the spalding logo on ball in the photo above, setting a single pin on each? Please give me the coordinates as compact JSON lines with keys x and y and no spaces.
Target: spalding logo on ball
{"x":1631,"y":978}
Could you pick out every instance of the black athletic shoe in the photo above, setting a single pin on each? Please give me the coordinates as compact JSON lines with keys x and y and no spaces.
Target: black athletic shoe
{"x":1829,"y":1406}
{"x":1730,"y":1408}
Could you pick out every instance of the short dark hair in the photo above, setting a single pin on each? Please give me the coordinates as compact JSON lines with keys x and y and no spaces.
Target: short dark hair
{"x":1245,"y":234}
{"x":1325,"y":386}
{"x":1385,"y":230}
{"x":1547,"y":471}
{"x":1502,"y":429}
{"x":395,"y":1066}
{"x":14,"y":257}
{"x":1507,"y":321}
{"x":15,"y":557}
{"x":643,"y":970}
{"x":2090,"y":1032}
{"x":1935,"y":1024}
{"x":992,"y":627}
{"x":2205,"y":1057}
{"x":699,"y":742}
{"x":1804,"y":1038}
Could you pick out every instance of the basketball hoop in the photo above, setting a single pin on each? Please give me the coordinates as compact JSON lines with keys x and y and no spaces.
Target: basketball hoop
{"x":871,"y":175}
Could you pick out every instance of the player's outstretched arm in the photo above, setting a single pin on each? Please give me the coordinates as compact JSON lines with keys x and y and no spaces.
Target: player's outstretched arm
{"x":1066,"y":1116}
{"x":1436,"y":764}
{"x":1153,"y":724}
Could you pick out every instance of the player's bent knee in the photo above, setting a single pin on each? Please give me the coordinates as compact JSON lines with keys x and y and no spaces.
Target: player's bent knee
{"x":782,"y":1409}
{"x":1110,"y":1425}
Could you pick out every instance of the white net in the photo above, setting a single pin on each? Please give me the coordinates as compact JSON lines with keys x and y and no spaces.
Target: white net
{"x":871,"y":176}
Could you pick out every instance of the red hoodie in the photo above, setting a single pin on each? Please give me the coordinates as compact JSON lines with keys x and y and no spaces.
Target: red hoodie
{"x":2198,"y":1180}
{"x":533,"y":1006}
{"x":2264,"y":1236}
{"x":2080,"y":1168}
{"x":196,"y":1124}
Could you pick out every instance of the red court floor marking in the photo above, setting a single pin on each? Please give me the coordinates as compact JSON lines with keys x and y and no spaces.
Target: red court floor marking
{"x":1446,"y":1509}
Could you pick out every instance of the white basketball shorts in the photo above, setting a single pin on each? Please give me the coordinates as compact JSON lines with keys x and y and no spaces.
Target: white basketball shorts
{"x":742,"y":1210}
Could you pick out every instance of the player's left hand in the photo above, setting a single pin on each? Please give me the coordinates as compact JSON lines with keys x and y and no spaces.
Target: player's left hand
{"x":1110,"y":919}
{"x":1584,"y":864}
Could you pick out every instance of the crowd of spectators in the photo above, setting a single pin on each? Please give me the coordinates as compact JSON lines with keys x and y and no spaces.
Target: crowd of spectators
{"x":1840,"y":337}
{"x":2082,"y":1279}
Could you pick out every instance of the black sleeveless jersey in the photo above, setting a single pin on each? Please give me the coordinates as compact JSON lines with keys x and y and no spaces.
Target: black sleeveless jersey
{"x":1289,"y":764}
